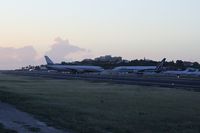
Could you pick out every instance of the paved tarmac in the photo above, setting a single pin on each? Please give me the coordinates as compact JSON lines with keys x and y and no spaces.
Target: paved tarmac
{"x":192,"y":83}
{"x":22,"y":122}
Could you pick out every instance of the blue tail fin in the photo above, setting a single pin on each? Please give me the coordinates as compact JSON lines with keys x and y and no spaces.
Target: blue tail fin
{"x":48,"y":60}
{"x":160,"y":66}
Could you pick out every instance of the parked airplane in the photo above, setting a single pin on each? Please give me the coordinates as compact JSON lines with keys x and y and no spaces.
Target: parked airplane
{"x":140,"y":69}
{"x":71,"y":68}
{"x":188,"y":71}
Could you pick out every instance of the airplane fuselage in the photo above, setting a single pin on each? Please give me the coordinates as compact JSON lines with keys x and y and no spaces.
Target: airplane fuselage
{"x":134,"y":68}
{"x":140,"y":69}
{"x":75,"y":68}
{"x":189,"y":71}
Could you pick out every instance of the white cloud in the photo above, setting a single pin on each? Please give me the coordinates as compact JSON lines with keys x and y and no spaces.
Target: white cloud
{"x":62,"y":50}
{"x":11,"y":58}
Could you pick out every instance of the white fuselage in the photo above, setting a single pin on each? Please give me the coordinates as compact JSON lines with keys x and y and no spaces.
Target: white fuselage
{"x":76,"y":68}
{"x":134,"y":68}
{"x":189,"y":71}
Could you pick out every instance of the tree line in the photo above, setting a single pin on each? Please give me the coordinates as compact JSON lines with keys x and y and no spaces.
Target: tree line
{"x":112,"y":62}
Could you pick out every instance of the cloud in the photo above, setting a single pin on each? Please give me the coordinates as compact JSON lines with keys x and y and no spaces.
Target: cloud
{"x":11,"y":58}
{"x":78,"y":56}
{"x":62,"y":50}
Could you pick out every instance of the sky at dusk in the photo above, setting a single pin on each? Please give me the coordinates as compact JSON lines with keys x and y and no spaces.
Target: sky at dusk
{"x":76,"y":29}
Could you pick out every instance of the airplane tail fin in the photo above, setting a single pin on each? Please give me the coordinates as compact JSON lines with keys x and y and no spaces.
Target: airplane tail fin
{"x":160,"y":66}
{"x":48,"y":60}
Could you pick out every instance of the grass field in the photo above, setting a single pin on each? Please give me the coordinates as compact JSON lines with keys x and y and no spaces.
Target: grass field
{"x":4,"y":130}
{"x":87,"y":107}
